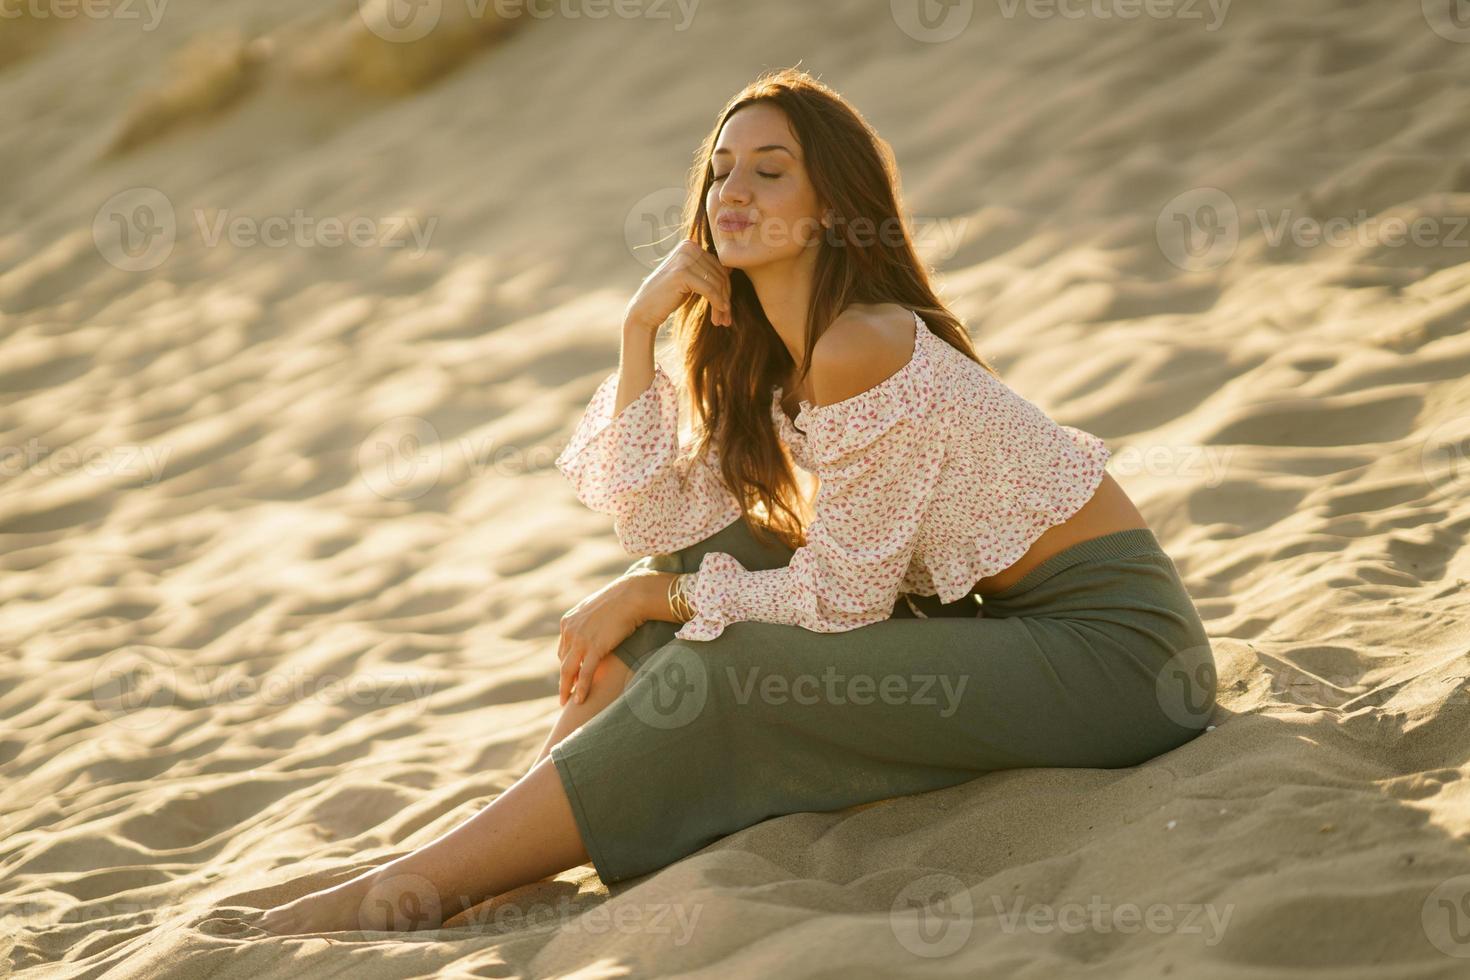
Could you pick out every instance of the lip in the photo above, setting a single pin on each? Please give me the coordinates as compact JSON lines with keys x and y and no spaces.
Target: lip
{"x":734,"y":223}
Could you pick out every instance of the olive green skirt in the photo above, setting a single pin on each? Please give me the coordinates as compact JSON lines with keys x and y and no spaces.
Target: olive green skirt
{"x":1096,"y":658}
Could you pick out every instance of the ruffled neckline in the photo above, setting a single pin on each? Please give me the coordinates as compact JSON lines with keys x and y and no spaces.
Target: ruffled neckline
{"x":833,"y":435}
{"x":779,"y":414}
{"x":904,"y":379}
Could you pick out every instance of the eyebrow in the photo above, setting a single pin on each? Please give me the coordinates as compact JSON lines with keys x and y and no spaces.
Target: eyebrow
{"x":758,"y":149}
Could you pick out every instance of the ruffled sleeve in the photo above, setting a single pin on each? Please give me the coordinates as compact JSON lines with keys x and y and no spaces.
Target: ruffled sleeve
{"x":878,"y":456}
{"x":632,"y":467}
{"x":794,"y":438}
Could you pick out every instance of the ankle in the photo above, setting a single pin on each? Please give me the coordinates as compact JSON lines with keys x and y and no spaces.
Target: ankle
{"x":396,"y":900}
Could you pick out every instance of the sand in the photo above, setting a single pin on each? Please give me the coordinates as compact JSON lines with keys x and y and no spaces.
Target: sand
{"x":241,"y":656}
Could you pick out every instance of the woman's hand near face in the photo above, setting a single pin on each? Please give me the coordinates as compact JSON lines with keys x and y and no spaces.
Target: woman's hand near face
{"x":687,"y":269}
{"x":592,"y":628}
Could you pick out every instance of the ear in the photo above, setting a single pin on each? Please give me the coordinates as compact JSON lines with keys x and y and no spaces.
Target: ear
{"x":828,"y":213}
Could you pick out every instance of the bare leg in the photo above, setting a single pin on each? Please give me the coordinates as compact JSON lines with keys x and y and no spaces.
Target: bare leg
{"x":524,"y":835}
{"x":608,"y":681}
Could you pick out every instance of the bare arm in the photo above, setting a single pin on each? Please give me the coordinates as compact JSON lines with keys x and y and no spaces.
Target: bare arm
{"x":635,"y":364}
{"x":687,"y":270}
{"x":648,"y":591}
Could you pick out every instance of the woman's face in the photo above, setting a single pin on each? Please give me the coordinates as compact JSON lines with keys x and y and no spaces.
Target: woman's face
{"x":761,"y":204}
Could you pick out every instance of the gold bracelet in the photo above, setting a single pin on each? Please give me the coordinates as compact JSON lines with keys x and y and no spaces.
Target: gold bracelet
{"x":679,"y":598}
{"x":684,"y":587}
{"x":674,"y":599}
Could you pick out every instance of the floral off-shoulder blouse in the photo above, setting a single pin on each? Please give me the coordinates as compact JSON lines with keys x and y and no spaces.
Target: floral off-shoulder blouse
{"x":938,"y":476}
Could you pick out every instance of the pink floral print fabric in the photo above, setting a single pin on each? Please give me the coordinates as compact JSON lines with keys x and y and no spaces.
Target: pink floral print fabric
{"x":936,"y":477}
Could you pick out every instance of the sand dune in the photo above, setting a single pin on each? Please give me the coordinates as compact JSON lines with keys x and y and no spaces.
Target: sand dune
{"x":247,"y":246}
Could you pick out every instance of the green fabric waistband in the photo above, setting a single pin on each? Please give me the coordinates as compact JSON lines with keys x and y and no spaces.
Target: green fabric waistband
{"x":1116,"y":544}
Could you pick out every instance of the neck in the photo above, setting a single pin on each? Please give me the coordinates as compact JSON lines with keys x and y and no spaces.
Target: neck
{"x":785,"y":292}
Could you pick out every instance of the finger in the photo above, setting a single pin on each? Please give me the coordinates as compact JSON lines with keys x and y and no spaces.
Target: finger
{"x":711,"y":262}
{"x":699,"y":280}
{"x":569,"y":668}
{"x":696,"y":280}
{"x":722,"y":284}
{"x":584,"y":676}
{"x":568,"y":675}
{"x":719,"y":274}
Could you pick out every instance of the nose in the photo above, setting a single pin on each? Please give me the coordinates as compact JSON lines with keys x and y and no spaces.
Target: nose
{"x":732,"y":190}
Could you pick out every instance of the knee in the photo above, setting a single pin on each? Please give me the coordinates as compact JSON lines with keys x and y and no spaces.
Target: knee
{"x":610,"y":673}
{"x":694,"y":690}
{"x":739,"y":647}
{"x":730,"y":674}
{"x":643,"y":641}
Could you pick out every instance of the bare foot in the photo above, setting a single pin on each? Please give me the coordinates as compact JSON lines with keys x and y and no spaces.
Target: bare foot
{"x":376,"y":900}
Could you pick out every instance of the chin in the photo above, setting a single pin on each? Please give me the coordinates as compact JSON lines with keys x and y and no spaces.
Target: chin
{"x":735,"y":256}
{"x":740,"y":255}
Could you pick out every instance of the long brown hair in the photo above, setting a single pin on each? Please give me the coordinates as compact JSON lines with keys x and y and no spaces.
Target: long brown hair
{"x":729,"y":371}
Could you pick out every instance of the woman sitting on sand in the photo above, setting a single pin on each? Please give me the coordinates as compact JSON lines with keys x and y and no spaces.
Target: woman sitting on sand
{"x":969,"y":589}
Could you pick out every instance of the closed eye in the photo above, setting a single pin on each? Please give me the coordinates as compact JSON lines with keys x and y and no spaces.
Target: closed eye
{"x":758,"y":173}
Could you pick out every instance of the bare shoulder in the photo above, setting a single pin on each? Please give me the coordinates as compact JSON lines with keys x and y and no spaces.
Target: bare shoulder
{"x":863,"y":347}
